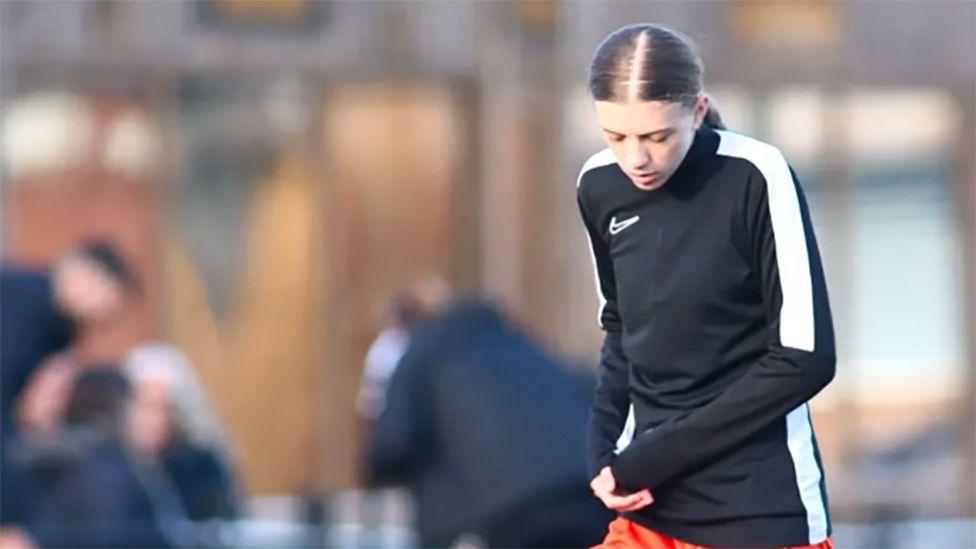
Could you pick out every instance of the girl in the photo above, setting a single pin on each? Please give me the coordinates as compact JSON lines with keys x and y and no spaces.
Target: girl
{"x":718,"y":329}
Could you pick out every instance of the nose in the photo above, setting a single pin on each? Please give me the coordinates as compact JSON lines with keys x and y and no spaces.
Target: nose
{"x":637,"y":157}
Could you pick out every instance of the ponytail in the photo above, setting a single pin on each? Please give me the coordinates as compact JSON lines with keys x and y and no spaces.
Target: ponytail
{"x":714,"y":119}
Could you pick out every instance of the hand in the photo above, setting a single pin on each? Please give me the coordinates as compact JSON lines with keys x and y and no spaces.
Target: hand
{"x":14,"y":538}
{"x":604,"y":486}
{"x":42,"y":404}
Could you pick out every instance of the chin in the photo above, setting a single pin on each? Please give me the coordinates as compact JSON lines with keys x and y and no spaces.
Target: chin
{"x":651,"y":185}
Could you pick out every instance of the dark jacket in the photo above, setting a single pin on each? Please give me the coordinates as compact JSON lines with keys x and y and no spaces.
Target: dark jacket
{"x":718,"y":332}
{"x":202,"y":481}
{"x":31,"y":329}
{"x":108,"y":500}
{"x":479,"y":421}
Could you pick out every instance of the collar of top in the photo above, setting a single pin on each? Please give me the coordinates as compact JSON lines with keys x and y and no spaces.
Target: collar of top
{"x":703,"y":146}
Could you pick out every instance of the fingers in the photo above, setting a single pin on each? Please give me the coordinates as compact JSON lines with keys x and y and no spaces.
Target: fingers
{"x":618,"y":503}
{"x":630,"y":502}
{"x":643,"y":500}
{"x":603,"y":487}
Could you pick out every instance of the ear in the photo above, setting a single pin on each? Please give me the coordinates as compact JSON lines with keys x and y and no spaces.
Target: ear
{"x":701,"y":109}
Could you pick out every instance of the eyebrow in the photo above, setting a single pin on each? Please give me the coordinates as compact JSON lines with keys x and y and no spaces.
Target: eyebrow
{"x":648,"y":134}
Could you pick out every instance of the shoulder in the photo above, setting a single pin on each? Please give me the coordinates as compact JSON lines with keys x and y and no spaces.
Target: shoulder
{"x":758,"y":157}
{"x":26,"y":291}
{"x":599,"y":183}
{"x":23,"y":278}
{"x":596,"y":160}
{"x":386,"y":350}
{"x":390,"y":339}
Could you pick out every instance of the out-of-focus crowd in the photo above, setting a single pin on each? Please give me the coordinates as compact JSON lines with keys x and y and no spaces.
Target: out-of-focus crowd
{"x":117,"y":454}
{"x":482,"y":424}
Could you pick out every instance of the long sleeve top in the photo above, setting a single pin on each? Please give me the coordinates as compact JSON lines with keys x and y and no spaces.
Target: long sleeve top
{"x":718,"y":332}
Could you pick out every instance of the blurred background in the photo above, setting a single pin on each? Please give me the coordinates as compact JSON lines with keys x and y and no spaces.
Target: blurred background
{"x":278,"y":171}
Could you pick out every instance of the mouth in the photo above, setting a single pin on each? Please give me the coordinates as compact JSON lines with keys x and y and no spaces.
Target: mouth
{"x":645,"y":181}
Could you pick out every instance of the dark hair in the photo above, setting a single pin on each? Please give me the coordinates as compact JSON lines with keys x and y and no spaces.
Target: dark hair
{"x":110,"y":261}
{"x":98,"y":398}
{"x":407,"y":310}
{"x":659,"y":64}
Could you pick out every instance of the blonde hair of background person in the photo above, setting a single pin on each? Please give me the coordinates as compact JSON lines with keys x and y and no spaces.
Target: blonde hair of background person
{"x":166,"y":366}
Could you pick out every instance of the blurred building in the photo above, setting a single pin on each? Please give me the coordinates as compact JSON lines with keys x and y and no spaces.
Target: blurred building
{"x":280,"y":168}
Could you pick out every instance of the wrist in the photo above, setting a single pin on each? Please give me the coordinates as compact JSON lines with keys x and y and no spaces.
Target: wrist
{"x":598,"y":464}
{"x":621,"y":480}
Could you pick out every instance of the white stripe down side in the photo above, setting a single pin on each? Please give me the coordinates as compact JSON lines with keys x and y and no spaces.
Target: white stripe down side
{"x":796,"y":327}
{"x":602,"y":158}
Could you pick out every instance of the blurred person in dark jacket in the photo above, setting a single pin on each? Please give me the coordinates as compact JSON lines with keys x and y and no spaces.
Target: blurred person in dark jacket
{"x":173,"y":425}
{"x":94,"y":493}
{"x":41,"y":312}
{"x":486,"y":429}
{"x":384,"y":354}
{"x":406,"y":310}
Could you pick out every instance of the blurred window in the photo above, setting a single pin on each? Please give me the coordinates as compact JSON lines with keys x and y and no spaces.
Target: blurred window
{"x":736,"y":107}
{"x":906,"y":248}
{"x":264,"y":14}
{"x":797,"y":125}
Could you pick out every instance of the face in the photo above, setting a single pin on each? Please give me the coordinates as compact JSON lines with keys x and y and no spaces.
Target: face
{"x":650,"y":138}
{"x":86,"y":291}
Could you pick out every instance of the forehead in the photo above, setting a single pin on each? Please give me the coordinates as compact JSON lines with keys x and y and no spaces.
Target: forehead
{"x":88,"y":267}
{"x":87,"y":275}
{"x":639,"y":117}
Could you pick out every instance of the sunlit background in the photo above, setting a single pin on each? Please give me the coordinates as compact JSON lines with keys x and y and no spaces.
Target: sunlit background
{"x":277,"y":170}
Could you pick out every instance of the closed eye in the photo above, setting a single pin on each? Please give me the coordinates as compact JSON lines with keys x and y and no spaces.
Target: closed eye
{"x":657,"y":137}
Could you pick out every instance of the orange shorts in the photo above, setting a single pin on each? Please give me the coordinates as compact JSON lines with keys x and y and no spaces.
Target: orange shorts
{"x":625,"y":534}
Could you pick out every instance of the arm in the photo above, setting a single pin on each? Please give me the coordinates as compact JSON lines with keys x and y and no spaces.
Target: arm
{"x":611,"y":399}
{"x":799,"y":361}
{"x":398,"y":437}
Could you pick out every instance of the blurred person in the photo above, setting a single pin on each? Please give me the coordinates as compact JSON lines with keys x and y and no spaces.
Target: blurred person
{"x":405,"y":311}
{"x":99,"y":495}
{"x":42,"y":445}
{"x":172,"y":424}
{"x":421,"y":299}
{"x":487,"y":430}
{"x":41,"y":313}
{"x":718,"y":327}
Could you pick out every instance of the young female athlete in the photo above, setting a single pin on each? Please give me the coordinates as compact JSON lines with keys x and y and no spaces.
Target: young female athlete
{"x":713,"y":300}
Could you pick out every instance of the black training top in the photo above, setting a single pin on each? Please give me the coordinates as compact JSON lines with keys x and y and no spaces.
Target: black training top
{"x":718,"y":332}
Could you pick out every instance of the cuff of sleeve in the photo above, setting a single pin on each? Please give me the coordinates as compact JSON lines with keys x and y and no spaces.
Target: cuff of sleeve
{"x":598,"y":463}
{"x":623,"y":484}
{"x":627,"y":477}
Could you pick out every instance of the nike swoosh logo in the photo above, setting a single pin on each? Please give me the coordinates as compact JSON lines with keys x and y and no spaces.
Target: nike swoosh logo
{"x":616,"y":227}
